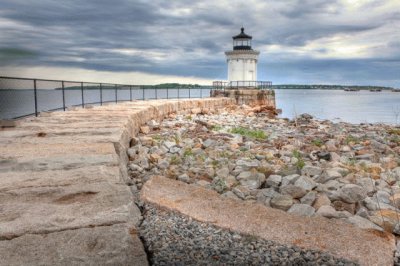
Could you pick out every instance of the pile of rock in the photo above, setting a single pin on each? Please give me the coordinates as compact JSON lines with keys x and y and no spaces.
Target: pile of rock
{"x":305,"y":166}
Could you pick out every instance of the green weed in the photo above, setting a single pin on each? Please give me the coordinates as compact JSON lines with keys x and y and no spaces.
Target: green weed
{"x":251,"y":133}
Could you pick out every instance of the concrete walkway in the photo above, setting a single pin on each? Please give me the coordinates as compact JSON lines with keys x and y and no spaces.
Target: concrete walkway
{"x":337,"y":238}
{"x":64,"y":198}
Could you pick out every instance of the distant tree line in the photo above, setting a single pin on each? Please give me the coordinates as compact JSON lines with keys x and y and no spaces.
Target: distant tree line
{"x":329,"y":87}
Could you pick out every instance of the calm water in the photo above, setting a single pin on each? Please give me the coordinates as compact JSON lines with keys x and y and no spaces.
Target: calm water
{"x":353,"y":107}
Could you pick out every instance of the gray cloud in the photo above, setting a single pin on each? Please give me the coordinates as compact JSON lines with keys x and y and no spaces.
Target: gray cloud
{"x":188,"y":39}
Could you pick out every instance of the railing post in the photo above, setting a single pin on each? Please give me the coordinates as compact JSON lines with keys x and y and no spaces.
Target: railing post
{"x":83,"y":99}
{"x":130,"y":92}
{"x":167,"y":93}
{"x":63,"y":94}
{"x":178,"y":93}
{"x":116,"y":94}
{"x":101,"y":94}
{"x":35,"y":94}
{"x":201,"y":92}
{"x":143,"y":92}
{"x":156,"y":93}
{"x":189,"y":93}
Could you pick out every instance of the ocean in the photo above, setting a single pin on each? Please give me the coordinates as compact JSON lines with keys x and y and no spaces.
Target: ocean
{"x":336,"y":105}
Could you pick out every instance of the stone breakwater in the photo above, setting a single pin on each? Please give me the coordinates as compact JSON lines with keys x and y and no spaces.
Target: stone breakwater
{"x":305,"y":167}
{"x":64,"y":188}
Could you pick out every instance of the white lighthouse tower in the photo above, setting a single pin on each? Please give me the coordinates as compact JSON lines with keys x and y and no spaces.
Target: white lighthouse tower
{"x":242,"y":61}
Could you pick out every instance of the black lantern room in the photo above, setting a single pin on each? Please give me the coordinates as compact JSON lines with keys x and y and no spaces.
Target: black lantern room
{"x":242,"y":41}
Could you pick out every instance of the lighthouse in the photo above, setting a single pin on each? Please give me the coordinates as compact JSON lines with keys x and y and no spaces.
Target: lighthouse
{"x":242,"y":61}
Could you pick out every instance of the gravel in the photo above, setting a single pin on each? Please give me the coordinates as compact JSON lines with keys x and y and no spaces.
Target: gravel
{"x":173,"y":239}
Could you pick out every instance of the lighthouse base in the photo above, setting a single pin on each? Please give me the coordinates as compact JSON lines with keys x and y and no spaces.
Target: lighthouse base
{"x":262,"y":99}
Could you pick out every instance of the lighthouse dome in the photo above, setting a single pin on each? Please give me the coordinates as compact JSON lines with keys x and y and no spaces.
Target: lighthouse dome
{"x":242,"y":41}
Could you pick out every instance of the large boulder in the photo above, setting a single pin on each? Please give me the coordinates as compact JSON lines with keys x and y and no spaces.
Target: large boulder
{"x":351,"y":193}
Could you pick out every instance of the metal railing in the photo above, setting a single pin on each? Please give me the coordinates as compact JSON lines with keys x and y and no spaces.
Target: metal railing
{"x":242,"y":84}
{"x":22,"y":97}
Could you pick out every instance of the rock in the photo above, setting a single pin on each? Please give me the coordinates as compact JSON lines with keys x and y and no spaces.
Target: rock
{"x":292,"y":190}
{"x":282,"y":202}
{"x":145,"y":140}
{"x":327,"y":211}
{"x":248,"y":164}
{"x":289,"y":179}
{"x":302,"y":210}
{"x":383,"y":197}
{"x":266,"y":193}
{"x":363,"y":223}
{"x":331,"y":145}
{"x":251,"y":179}
{"x":163,"y":164}
{"x":203,"y":183}
{"x":367,"y":184}
{"x":343,"y":206}
{"x":387,"y":219}
{"x":345,"y":148}
{"x":322,"y":155}
{"x":321,"y":200}
{"x":154,"y":157}
{"x":370,"y":204}
{"x":351,"y":193}
{"x":145,"y":129}
{"x":223,"y":172}
{"x":184,"y":178}
{"x":329,"y":174}
{"x":135,"y":167}
{"x":208,"y":143}
{"x":241,"y":191}
{"x":396,"y":229}
{"x":309,"y":198}
{"x":174,"y":150}
{"x":363,"y":212}
{"x":289,"y":170}
{"x":98,"y":245}
{"x":311,"y":171}
{"x":230,"y":195}
{"x":305,"y":182}
{"x":169,"y":144}
{"x":273,"y":181}
{"x":368,"y":156}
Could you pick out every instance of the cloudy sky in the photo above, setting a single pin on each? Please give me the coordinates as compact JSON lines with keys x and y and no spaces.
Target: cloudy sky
{"x":147,"y":42}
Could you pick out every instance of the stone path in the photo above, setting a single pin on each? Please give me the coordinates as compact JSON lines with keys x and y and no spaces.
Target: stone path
{"x":367,"y":247}
{"x":64,"y":194}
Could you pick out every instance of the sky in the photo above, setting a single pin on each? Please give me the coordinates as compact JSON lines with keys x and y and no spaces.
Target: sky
{"x":348,"y":42}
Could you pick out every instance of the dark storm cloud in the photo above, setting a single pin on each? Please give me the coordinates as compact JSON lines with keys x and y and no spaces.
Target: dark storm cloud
{"x":187,"y":38}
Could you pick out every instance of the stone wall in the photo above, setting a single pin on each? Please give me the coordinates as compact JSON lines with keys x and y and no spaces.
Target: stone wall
{"x":64,"y":191}
{"x":250,"y":97}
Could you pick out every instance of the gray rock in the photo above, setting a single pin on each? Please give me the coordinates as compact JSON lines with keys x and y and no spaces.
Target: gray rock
{"x":293,"y":190}
{"x":230,"y":195}
{"x":184,"y":178}
{"x":135,"y":167}
{"x":309,"y":198}
{"x":169,"y":144}
{"x":251,"y":180}
{"x":223,"y":172}
{"x":332,"y":185}
{"x":305,"y":182}
{"x":351,"y":193}
{"x":289,"y":179}
{"x":247,"y":164}
{"x":383,"y":197}
{"x":302,"y":210}
{"x":273,"y":181}
{"x":370,"y":204}
{"x":174,"y":150}
{"x":282,"y":202}
{"x":163,"y":164}
{"x":363,"y":223}
{"x":208,"y":143}
{"x":311,"y":171}
{"x":265,"y":193}
{"x":396,"y":229}
{"x":329,"y":174}
{"x":363,"y":212}
{"x":367,"y":183}
{"x":241,"y":192}
{"x":327,"y":211}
